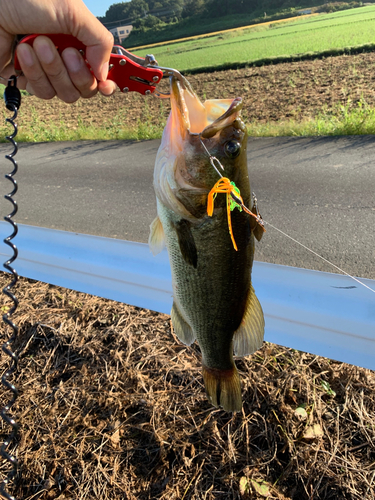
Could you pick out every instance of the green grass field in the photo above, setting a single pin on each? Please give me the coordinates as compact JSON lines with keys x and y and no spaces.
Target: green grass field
{"x":327,"y":31}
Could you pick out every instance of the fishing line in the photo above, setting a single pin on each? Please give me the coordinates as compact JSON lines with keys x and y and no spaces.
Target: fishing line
{"x":261,"y":221}
{"x":318,"y":255}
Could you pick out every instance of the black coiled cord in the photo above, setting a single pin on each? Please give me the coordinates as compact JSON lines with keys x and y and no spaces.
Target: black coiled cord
{"x":12,"y":97}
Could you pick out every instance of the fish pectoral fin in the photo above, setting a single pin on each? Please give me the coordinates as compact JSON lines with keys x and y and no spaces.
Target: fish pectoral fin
{"x":186,"y":242}
{"x":223,"y":388}
{"x":156,"y":239}
{"x":180,"y":327}
{"x":249,"y":336}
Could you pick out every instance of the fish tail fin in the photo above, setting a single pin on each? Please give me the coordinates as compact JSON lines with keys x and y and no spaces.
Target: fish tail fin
{"x":223,"y":388}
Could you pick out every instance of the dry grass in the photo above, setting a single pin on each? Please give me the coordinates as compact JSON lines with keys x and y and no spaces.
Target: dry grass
{"x":112,"y":406}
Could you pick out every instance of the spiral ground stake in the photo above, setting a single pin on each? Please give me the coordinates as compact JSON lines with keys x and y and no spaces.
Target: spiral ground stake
{"x":12,"y":98}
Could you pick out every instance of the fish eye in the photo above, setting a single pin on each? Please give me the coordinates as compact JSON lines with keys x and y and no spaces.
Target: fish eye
{"x":232,"y":149}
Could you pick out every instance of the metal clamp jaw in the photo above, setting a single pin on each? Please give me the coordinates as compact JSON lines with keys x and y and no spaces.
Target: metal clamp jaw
{"x":150,"y":62}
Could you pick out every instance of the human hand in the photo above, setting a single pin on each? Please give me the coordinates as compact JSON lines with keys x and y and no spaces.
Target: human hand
{"x":45,"y":72}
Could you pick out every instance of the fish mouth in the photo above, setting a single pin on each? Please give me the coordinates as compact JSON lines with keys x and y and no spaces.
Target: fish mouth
{"x":192,"y":117}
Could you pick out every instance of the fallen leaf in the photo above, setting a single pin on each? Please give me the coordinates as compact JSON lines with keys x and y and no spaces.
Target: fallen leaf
{"x":325,"y":385}
{"x":262,"y":488}
{"x":244,"y":486}
{"x":115,"y":438}
{"x":313,"y":432}
{"x":300,"y":413}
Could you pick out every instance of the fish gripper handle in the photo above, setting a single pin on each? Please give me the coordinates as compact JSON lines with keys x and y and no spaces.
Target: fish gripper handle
{"x":12,"y":97}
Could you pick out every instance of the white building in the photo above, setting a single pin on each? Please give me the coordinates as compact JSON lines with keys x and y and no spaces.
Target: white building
{"x":121,"y":32}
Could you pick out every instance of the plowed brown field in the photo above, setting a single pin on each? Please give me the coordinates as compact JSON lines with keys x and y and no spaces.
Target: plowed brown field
{"x":271,"y":93}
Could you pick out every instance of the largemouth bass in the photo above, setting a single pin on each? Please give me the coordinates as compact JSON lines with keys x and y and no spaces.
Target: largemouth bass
{"x":213,"y":299}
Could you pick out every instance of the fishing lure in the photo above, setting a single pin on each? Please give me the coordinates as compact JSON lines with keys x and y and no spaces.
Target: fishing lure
{"x":234,"y":200}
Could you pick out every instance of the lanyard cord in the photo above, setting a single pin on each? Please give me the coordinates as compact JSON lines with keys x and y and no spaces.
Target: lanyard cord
{"x":12,"y":97}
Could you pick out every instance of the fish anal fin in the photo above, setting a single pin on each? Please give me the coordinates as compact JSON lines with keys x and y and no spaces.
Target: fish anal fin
{"x":186,"y":242}
{"x":156,"y":239}
{"x":223,"y":388}
{"x":249,"y":336}
{"x":180,"y":327}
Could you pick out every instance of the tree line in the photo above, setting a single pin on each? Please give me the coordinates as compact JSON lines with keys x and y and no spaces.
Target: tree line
{"x":151,"y":14}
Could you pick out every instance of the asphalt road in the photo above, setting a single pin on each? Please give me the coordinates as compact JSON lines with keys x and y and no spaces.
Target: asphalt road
{"x":321,"y":191}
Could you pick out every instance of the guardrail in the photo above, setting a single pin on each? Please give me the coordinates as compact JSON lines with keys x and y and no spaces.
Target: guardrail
{"x":322,"y":313}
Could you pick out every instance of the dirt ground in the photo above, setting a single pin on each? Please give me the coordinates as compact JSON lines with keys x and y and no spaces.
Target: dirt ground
{"x":112,"y":406}
{"x":271,"y":93}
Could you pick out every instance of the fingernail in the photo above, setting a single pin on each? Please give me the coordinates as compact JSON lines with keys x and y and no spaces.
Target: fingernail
{"x":72,"y":60}
{"x":44,"y":51}
{"x":107,"y":88}
{"x":104,"y":72}
{"x":25,"y":55}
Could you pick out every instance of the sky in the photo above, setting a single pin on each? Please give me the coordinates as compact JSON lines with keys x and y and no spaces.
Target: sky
{"x":99,"y":7}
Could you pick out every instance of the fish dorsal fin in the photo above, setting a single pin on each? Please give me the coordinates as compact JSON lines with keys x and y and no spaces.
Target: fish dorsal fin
{"x":156,"y":239}
{"x":186,"y":242}
{"x":180,"y":327}
{"x":249,"y":336}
